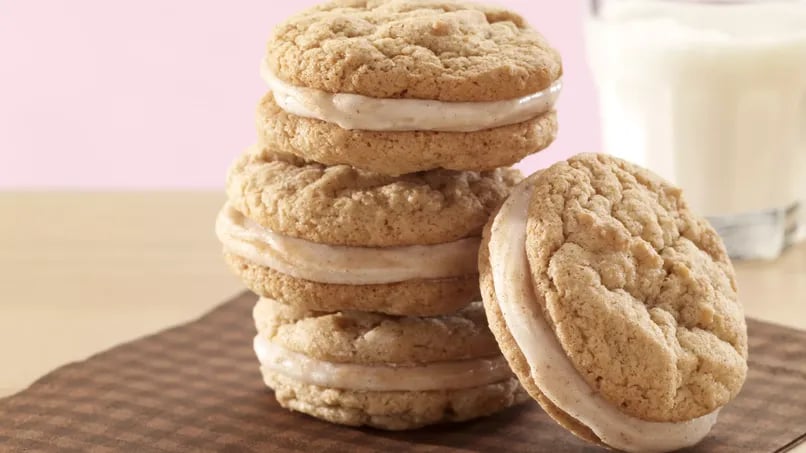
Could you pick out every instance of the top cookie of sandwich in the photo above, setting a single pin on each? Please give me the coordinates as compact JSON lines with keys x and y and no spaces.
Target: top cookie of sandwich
{"x":418,"y":49}
{"x":342,"y":205}
{"x":639,"y":290}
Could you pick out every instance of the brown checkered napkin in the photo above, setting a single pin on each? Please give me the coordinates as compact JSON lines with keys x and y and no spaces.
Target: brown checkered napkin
{"x":197,"y":388}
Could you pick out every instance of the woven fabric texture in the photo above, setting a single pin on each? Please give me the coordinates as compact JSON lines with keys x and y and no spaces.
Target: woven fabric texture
{"x":197,"y":388}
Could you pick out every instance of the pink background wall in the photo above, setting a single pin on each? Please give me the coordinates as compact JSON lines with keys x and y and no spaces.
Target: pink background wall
{"x":161,"y":94}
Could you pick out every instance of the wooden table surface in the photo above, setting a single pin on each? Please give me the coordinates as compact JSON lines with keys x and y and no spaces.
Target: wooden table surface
{"x":81,"y":272}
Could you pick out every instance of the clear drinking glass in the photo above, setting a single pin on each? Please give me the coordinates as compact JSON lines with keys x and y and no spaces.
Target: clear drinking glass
{"x":711,"y":95}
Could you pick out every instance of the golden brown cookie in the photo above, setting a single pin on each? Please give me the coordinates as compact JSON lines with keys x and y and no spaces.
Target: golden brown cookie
{"x":383,"y":371}
{"x":337,"y":238}
{"x":606,"y":272}
{"x":400,"y":152}
{"x":402,"y":86}
{"x":341,"y":205}
{"x":374,"y":338}
{"x":426,"y":49}
{"x":394,"y":411}
{"x":425,"y":297}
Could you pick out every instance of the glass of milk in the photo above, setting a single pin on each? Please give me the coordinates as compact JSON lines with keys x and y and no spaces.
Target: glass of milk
{"x":711,"y":95}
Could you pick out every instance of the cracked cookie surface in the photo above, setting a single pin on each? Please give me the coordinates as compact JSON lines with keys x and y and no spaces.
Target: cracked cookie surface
{"x":421,"y":49}
{"x":342,"y":205}
{"x":639,"y":290}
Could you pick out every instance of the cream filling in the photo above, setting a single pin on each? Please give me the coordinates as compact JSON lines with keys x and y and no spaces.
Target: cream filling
{"x":454,"y":375}
{"x":353,"y":111}
{"x":342,"y":264}
{"x":552,"y":371}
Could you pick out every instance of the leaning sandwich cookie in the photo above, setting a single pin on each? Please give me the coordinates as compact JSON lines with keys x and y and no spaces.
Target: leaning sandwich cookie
{"x":614,"y":304}
{"x":395,"y":373}
{"x":337,"y":238}
{"x":398,"y":86}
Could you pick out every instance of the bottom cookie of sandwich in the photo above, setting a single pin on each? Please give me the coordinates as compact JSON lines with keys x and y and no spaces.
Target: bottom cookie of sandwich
{"x":395,"y":410}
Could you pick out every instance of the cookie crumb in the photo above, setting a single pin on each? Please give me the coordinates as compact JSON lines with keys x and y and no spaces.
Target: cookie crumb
{"x":440,"y":28}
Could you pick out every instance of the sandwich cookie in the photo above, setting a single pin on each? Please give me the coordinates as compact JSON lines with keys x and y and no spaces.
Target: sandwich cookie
{"x":381,"y":371}
{"x":398,"y":86}
{"x":337,"y":238}
{"x":614,"y":304}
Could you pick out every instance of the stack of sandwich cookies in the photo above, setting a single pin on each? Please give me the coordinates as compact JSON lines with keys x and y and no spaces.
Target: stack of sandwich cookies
{"x":401,"y":86}
{"x":387,"y":372}
{"x":614,"y":305}
{"x":383,"y":149}
{"x":338,"y":238}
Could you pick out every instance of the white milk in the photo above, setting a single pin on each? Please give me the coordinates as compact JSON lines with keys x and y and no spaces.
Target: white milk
{"x":713,"y":97}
